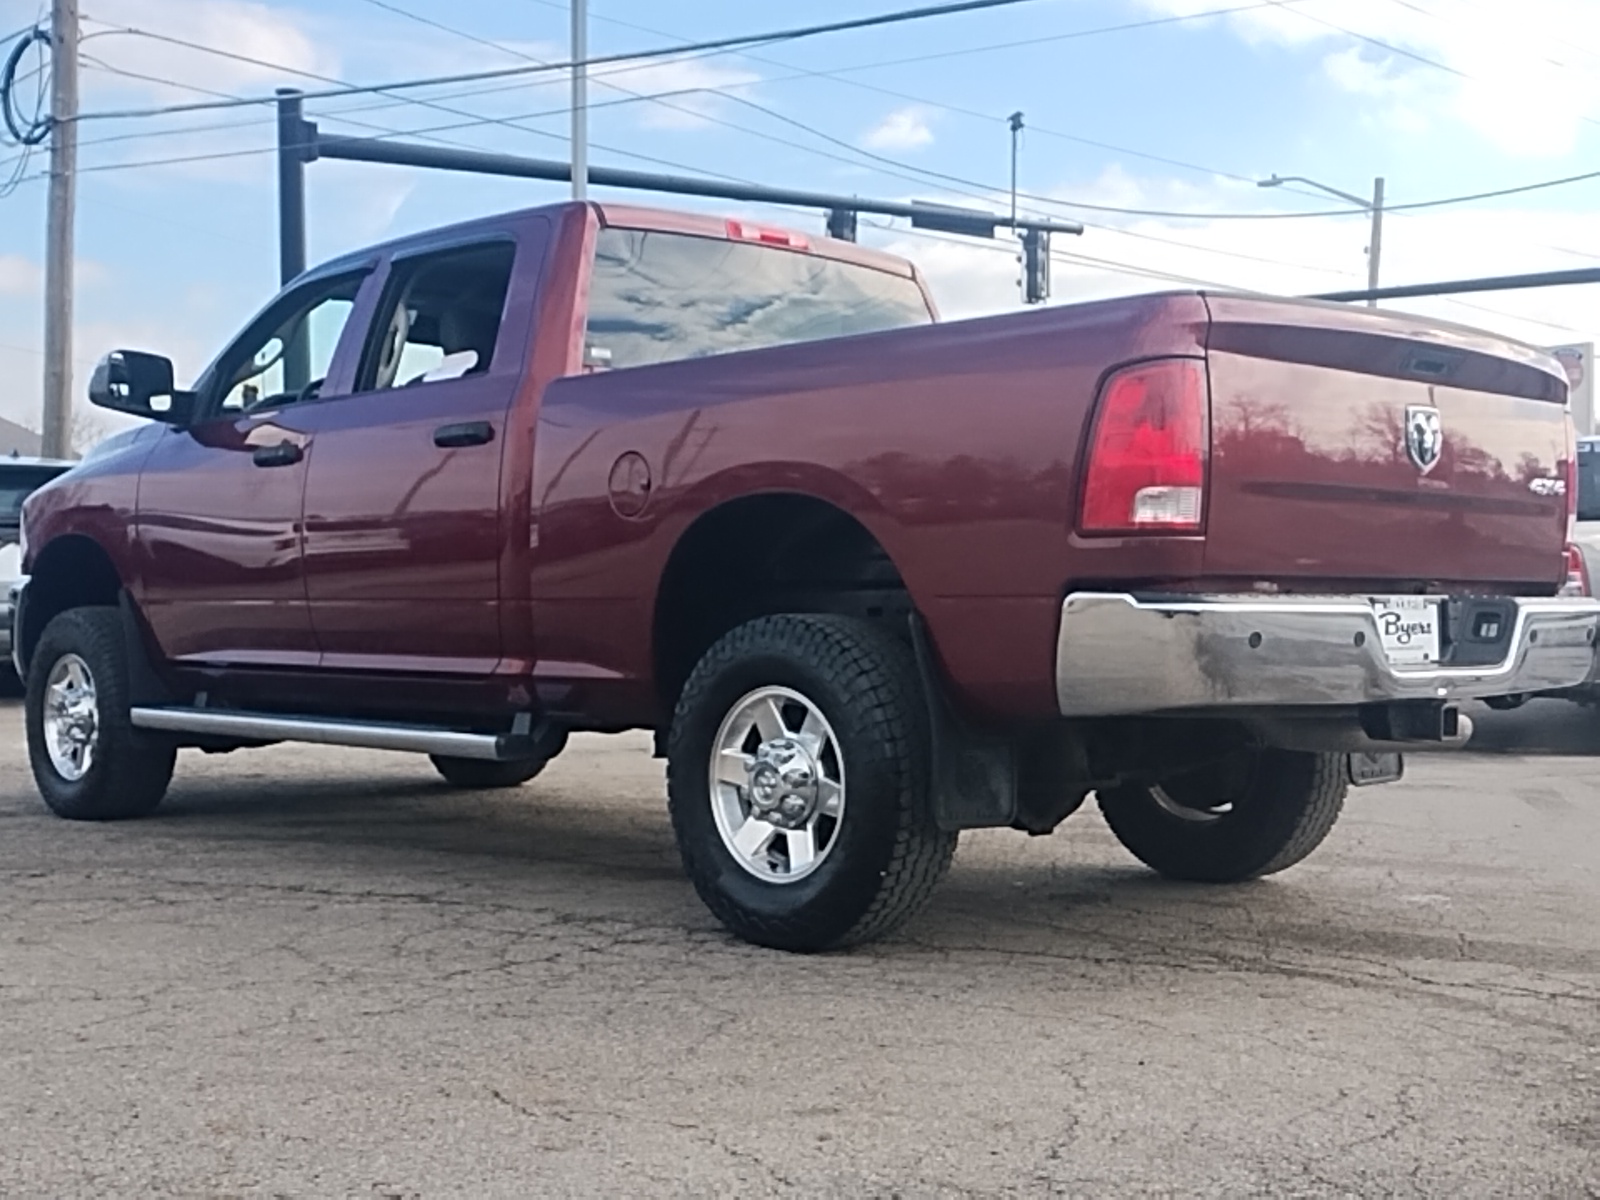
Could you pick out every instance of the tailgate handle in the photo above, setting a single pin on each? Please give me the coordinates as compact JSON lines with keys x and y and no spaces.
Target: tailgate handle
{"x":468,"y":433}
{"x":284,"y":454}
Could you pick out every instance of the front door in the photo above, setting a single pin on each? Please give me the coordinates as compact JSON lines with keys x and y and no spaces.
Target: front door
{"x":404,"y":532}
{"x":221,"y":577}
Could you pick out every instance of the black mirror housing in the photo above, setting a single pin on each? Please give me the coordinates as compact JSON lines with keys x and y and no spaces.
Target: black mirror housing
{"x":139,"y":384}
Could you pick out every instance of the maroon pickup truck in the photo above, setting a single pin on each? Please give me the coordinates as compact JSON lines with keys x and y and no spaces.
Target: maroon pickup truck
{"x":871,"y":579}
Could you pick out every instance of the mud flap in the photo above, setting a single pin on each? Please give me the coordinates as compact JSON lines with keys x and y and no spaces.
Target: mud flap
{"x":974,"y":784}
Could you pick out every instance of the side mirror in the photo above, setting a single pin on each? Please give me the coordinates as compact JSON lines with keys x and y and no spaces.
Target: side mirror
{"x":139,"y":384}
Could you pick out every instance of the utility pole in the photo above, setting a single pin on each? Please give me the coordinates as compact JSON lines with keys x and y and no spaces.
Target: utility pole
{"x":58,"y":252}
{"x":580,"y":99}
{"x":1376,"y":248}
{"x":1016,"y":134}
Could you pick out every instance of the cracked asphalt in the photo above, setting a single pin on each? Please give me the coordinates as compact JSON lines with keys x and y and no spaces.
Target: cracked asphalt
{"x":320,"y":973}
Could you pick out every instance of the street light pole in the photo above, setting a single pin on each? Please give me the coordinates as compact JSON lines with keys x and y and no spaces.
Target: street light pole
{"x":580,"y":99}
{"x":1376,"y":248}
{"x":1373,"y":206}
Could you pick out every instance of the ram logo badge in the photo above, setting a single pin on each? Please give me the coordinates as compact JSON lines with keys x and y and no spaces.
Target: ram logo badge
{"x":1424,"y":436}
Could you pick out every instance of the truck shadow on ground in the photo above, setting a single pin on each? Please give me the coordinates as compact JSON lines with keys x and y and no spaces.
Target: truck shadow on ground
{"x":1539,"y":727}
{"x":553,"y":847}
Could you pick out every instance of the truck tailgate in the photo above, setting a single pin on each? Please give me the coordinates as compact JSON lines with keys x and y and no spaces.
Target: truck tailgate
{"x":1377,"y":449}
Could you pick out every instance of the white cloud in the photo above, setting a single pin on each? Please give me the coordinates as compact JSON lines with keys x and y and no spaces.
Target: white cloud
{"x":1518,"y":75}
{"x":688,"y":89}
{"x":238,"y":30}
{"x":903,"y":129}
{"x":19,"y":276}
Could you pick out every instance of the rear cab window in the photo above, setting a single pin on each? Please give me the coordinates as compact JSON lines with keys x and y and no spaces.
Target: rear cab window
{"x":440,"y":318}
{"x":659,"y":297}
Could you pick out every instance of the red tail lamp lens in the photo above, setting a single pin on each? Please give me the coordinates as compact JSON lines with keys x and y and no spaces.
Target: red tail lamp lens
{"x":1149,"y":454}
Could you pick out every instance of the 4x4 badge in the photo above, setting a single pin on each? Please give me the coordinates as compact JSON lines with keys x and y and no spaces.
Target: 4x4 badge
{"x":1424,"y":436}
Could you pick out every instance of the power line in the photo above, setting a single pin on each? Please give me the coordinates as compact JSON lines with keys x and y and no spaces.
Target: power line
{"x":792,"y":35}
{"x":984,"y":191}
{"x":480,"y":120}
{"x":475,"y":119}
{"x":840,"y":74}
{"x":903,"y":169}
{"x":987,"y":191}
{"x":1400,"y":50}
{"x":597,"y":79}
{"x":774,"y":37}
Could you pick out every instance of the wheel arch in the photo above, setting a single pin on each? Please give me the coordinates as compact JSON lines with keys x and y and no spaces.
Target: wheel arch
{"x":72,"y":571}
{"x":761,"y":553}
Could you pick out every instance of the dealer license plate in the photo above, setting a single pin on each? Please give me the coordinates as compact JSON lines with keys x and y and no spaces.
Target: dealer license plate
{"x":1408,"y":627}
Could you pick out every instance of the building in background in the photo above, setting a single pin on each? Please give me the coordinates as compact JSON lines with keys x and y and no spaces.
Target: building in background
{"x":17,"y":442}
{"x":1578,"y":359}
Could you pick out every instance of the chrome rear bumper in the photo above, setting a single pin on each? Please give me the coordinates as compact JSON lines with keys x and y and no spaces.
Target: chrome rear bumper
{"x":1119,"y":655}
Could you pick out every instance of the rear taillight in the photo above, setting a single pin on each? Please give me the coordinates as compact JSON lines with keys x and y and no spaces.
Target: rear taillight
{"x":1577,"y":583}
{"x":1149,"y":453}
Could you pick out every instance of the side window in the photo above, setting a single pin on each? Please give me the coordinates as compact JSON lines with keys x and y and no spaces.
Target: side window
{"x":658,"y":297}
{"x":287,"y":354}
{"x":440,"y":318}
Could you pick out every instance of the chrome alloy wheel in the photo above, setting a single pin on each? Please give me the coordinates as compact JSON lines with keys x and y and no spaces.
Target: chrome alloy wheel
{"x":71,"y":718}
{"x":777,"y":785}
{"x":1187,"y":812}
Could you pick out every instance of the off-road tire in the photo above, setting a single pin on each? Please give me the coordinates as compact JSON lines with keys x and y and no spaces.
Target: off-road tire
{"x":1287,"y":804}
{"x":131,"y":769}
{"x":888,"y":854}
{"x":473,"y":775}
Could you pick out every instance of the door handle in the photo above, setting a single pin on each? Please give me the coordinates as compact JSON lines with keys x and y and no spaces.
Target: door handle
{"x":284,"y":454}
{"x":468,"y":433}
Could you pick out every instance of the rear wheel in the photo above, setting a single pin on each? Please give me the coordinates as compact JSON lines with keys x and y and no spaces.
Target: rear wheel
{"x":88,"y":760}
{"x":473,"y":775}
{"x":1506,"y":703}
{"x":798,"y":783}
{"x":1257,"y":813}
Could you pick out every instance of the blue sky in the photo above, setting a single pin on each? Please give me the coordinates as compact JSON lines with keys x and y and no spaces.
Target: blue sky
{"x":1468,"y":95}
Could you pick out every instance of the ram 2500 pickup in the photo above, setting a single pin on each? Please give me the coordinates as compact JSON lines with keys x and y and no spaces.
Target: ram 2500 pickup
{"x":870,"y":578}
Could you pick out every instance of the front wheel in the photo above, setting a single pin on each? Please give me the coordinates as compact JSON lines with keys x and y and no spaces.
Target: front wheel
{"x":797,"y":776}
{"x":88,"y":760}
{"x":1253,"y":814}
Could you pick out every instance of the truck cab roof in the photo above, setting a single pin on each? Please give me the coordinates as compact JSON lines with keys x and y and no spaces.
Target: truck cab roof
{"x":628,"y":216}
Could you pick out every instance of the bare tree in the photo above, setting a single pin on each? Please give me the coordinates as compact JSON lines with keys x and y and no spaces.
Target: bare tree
{"x":89,"y":429}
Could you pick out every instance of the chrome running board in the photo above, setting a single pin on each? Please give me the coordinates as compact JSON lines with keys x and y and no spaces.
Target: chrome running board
{"x":362,"y":735}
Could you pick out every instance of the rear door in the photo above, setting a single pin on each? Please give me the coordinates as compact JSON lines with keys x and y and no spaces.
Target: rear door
{"x":403,"y":510}
{"x":1373,"y":449}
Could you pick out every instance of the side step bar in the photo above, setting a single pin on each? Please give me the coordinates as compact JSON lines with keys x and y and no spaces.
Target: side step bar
{"x":363,"y":735}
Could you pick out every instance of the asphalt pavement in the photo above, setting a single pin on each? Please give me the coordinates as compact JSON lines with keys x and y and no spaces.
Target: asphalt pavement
{"x":319,"y":973}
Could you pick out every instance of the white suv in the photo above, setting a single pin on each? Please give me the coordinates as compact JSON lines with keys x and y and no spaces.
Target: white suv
{"x":19,"y":479}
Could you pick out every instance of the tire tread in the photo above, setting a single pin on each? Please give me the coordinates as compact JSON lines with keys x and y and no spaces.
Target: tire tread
{"x":877,"y":675}
{"x":134,"y":769}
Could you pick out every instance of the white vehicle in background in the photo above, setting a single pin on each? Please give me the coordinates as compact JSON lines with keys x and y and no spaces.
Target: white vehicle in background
{"x":1586,"y":532}
{"x":19,"y":479}
{"x":1583,"y":567}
